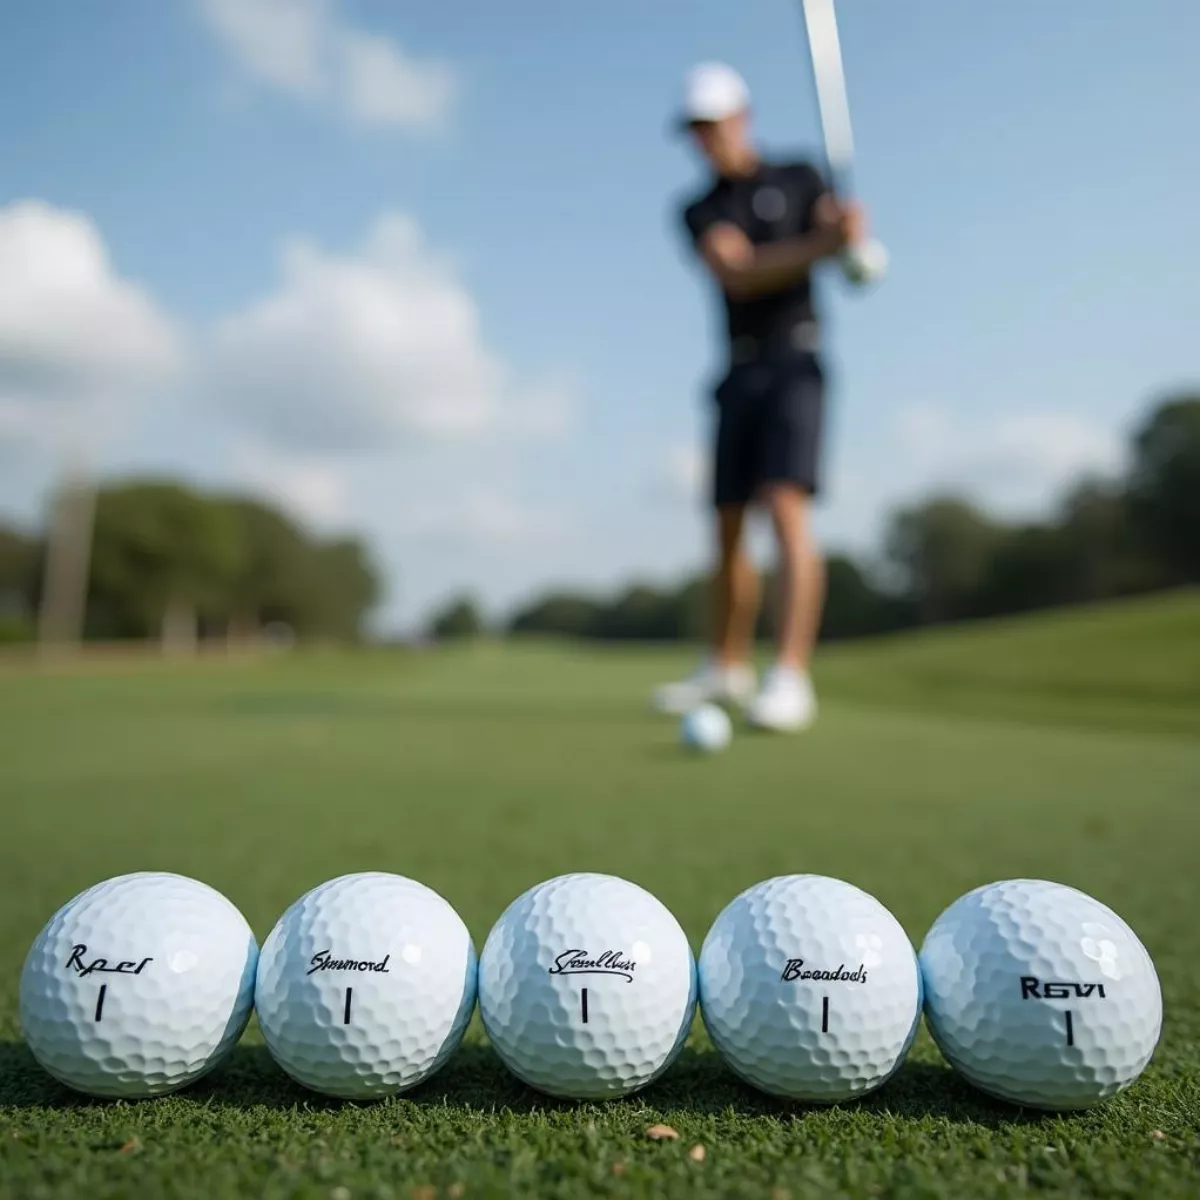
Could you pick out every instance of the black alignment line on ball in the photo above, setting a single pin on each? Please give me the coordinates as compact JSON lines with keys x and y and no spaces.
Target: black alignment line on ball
{"x":346,"y":1014}
{"x":824,"y":1014}
{"x":583,"y":1004}
{"x":100,"y":1001}
{"x":1070,"y":1029}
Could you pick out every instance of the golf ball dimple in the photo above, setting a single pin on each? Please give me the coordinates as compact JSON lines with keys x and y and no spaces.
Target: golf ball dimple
{"x":138,"y":986}
{"x":366,"y":985}
{"x":587,"y":987}
{"x":809,"y":988}
{"x":1040,"y":995}
{"x":706,"y":728}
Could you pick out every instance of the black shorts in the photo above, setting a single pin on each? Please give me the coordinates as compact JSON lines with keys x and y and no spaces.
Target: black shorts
{"x":768,"y":427}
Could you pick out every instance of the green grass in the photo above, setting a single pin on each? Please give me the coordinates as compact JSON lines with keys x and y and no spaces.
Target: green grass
{"x":1064,"y":746}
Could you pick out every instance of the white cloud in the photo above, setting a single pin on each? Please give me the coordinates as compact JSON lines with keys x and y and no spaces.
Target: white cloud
{"x":358,"y":393}
{"x":489,"y":516}
{"x":384,"y":86}
{"x":67,"y":320}
{"x":75,"y":337}
{"x":305,"y":48}
{"x":1019,"y":460}
{"x":279,"y":42}
{"x":367,"y":350}
{"x":313,"y":488}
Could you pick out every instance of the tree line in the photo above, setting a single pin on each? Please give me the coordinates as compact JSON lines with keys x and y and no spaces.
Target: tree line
{"x":169,"y":557}
{"x":945,"y":559}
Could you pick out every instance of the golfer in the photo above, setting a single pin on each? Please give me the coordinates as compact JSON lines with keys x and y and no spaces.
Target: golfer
{"x":760,"y":228}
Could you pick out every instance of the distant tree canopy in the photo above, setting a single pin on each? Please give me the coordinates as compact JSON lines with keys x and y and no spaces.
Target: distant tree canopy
{"x":947,"y":560}
{"x":221,"y":564}
{"x":20,"y":559}
{"x":460,"y":618}
{"x":1164,"y":485}
{"x":167,"y":556}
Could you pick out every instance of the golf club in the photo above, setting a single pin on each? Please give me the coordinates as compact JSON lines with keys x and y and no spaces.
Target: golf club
{"x":867,"y":261}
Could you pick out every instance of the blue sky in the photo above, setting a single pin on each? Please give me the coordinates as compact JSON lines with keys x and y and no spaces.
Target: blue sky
{"x":415,"y":270}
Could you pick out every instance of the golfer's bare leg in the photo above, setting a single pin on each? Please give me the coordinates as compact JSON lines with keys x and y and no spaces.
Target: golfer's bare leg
{"x":736,"y":590}
{"x":801,"y":573}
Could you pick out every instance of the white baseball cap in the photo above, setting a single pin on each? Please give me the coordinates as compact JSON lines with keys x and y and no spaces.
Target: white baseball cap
{"x":713,"y":91}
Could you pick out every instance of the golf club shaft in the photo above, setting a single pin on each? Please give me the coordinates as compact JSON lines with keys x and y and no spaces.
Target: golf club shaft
{"x":868,"y":261}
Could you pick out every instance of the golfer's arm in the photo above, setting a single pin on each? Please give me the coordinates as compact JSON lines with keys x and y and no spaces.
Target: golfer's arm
{"x":747,"y":271}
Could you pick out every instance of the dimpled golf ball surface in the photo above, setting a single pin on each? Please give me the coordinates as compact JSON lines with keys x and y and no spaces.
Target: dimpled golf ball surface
{"x":587,"y":987}
{"x":138,"y":986}
{"x":366,"y":985}
{"x":810,"y":988}
{"x":707,"y":729}
{"x":1040,"y":995}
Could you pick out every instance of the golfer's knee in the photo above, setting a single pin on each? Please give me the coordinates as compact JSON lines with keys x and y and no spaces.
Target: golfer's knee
{"x":730,"y":522}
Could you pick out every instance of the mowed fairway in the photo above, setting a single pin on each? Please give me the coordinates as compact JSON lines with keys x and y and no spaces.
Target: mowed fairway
{"x":1065,"y":747}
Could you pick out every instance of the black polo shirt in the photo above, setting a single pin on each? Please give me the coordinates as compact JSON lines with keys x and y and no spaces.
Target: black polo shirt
{"x":772,"y":205}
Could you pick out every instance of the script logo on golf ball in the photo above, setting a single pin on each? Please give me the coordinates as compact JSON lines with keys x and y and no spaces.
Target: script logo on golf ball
{"x":128,"y":967}
{"x":610,"y":962}
{"x":795,"y":968}
{"x":323,"y":960}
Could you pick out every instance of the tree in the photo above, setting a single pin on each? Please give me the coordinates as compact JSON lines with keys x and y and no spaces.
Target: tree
{"x":161,"y":557}
{"x":171,"y":560}
{"x":639,"y":613}
{"x":1164,"y":484}
{"x":942,"y":548}
{"x":565,"y":614}
{"x":1109,"y":555}
{"x":1029,"y":567}
{"x":459,"y":619}
{"x":19,"y":559}
{"x":855,"y":607}
{"x":271,"y":580}
{"x":342,"y":588}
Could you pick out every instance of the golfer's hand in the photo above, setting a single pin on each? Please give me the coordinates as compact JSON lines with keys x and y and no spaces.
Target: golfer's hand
{"x":839,"y":223}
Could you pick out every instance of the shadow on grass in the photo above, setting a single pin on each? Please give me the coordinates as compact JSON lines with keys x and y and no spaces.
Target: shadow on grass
{"x":475,"y":1080}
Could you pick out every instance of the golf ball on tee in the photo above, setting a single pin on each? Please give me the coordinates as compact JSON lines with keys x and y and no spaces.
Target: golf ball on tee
{"x":810,"y":988}
{"x":138,"y":986}
{"x":366,"y":985}
{"x":706,"y":728}
{"x":1040,"y":995}
{"x":587,"y":987}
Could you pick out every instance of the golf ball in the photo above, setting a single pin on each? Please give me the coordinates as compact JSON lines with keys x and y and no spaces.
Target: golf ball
{"x":706,"y":728}
{"x":138,"y":986}
{"x":587,"y":987}
{"x":366,"y":985}
{"x":810,"y":988}
{"x":1040,"y":995}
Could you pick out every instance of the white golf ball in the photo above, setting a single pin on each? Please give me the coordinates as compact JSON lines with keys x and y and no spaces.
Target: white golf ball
{"x":1040,"y":995}
{"x":706,"y":728}
{"x":138,"y":986}
{"x":810,"y":988}
{"x":587,"y":987}
{"x":366,"y":985}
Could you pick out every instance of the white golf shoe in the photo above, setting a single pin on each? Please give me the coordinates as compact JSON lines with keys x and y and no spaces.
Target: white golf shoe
{"x":786,"y":703}
{"x":711,"y":682}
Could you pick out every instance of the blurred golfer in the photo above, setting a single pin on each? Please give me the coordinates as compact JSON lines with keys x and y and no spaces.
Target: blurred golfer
{"x":760,"y":229}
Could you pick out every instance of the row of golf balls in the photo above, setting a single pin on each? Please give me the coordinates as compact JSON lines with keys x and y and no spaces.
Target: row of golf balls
{"x":587,"y":987}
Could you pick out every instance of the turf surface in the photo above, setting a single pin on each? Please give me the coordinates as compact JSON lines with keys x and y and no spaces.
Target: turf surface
{"x":1066,"y":747}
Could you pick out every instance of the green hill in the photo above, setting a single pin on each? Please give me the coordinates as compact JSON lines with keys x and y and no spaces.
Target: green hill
{"x":1134,"y":664}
